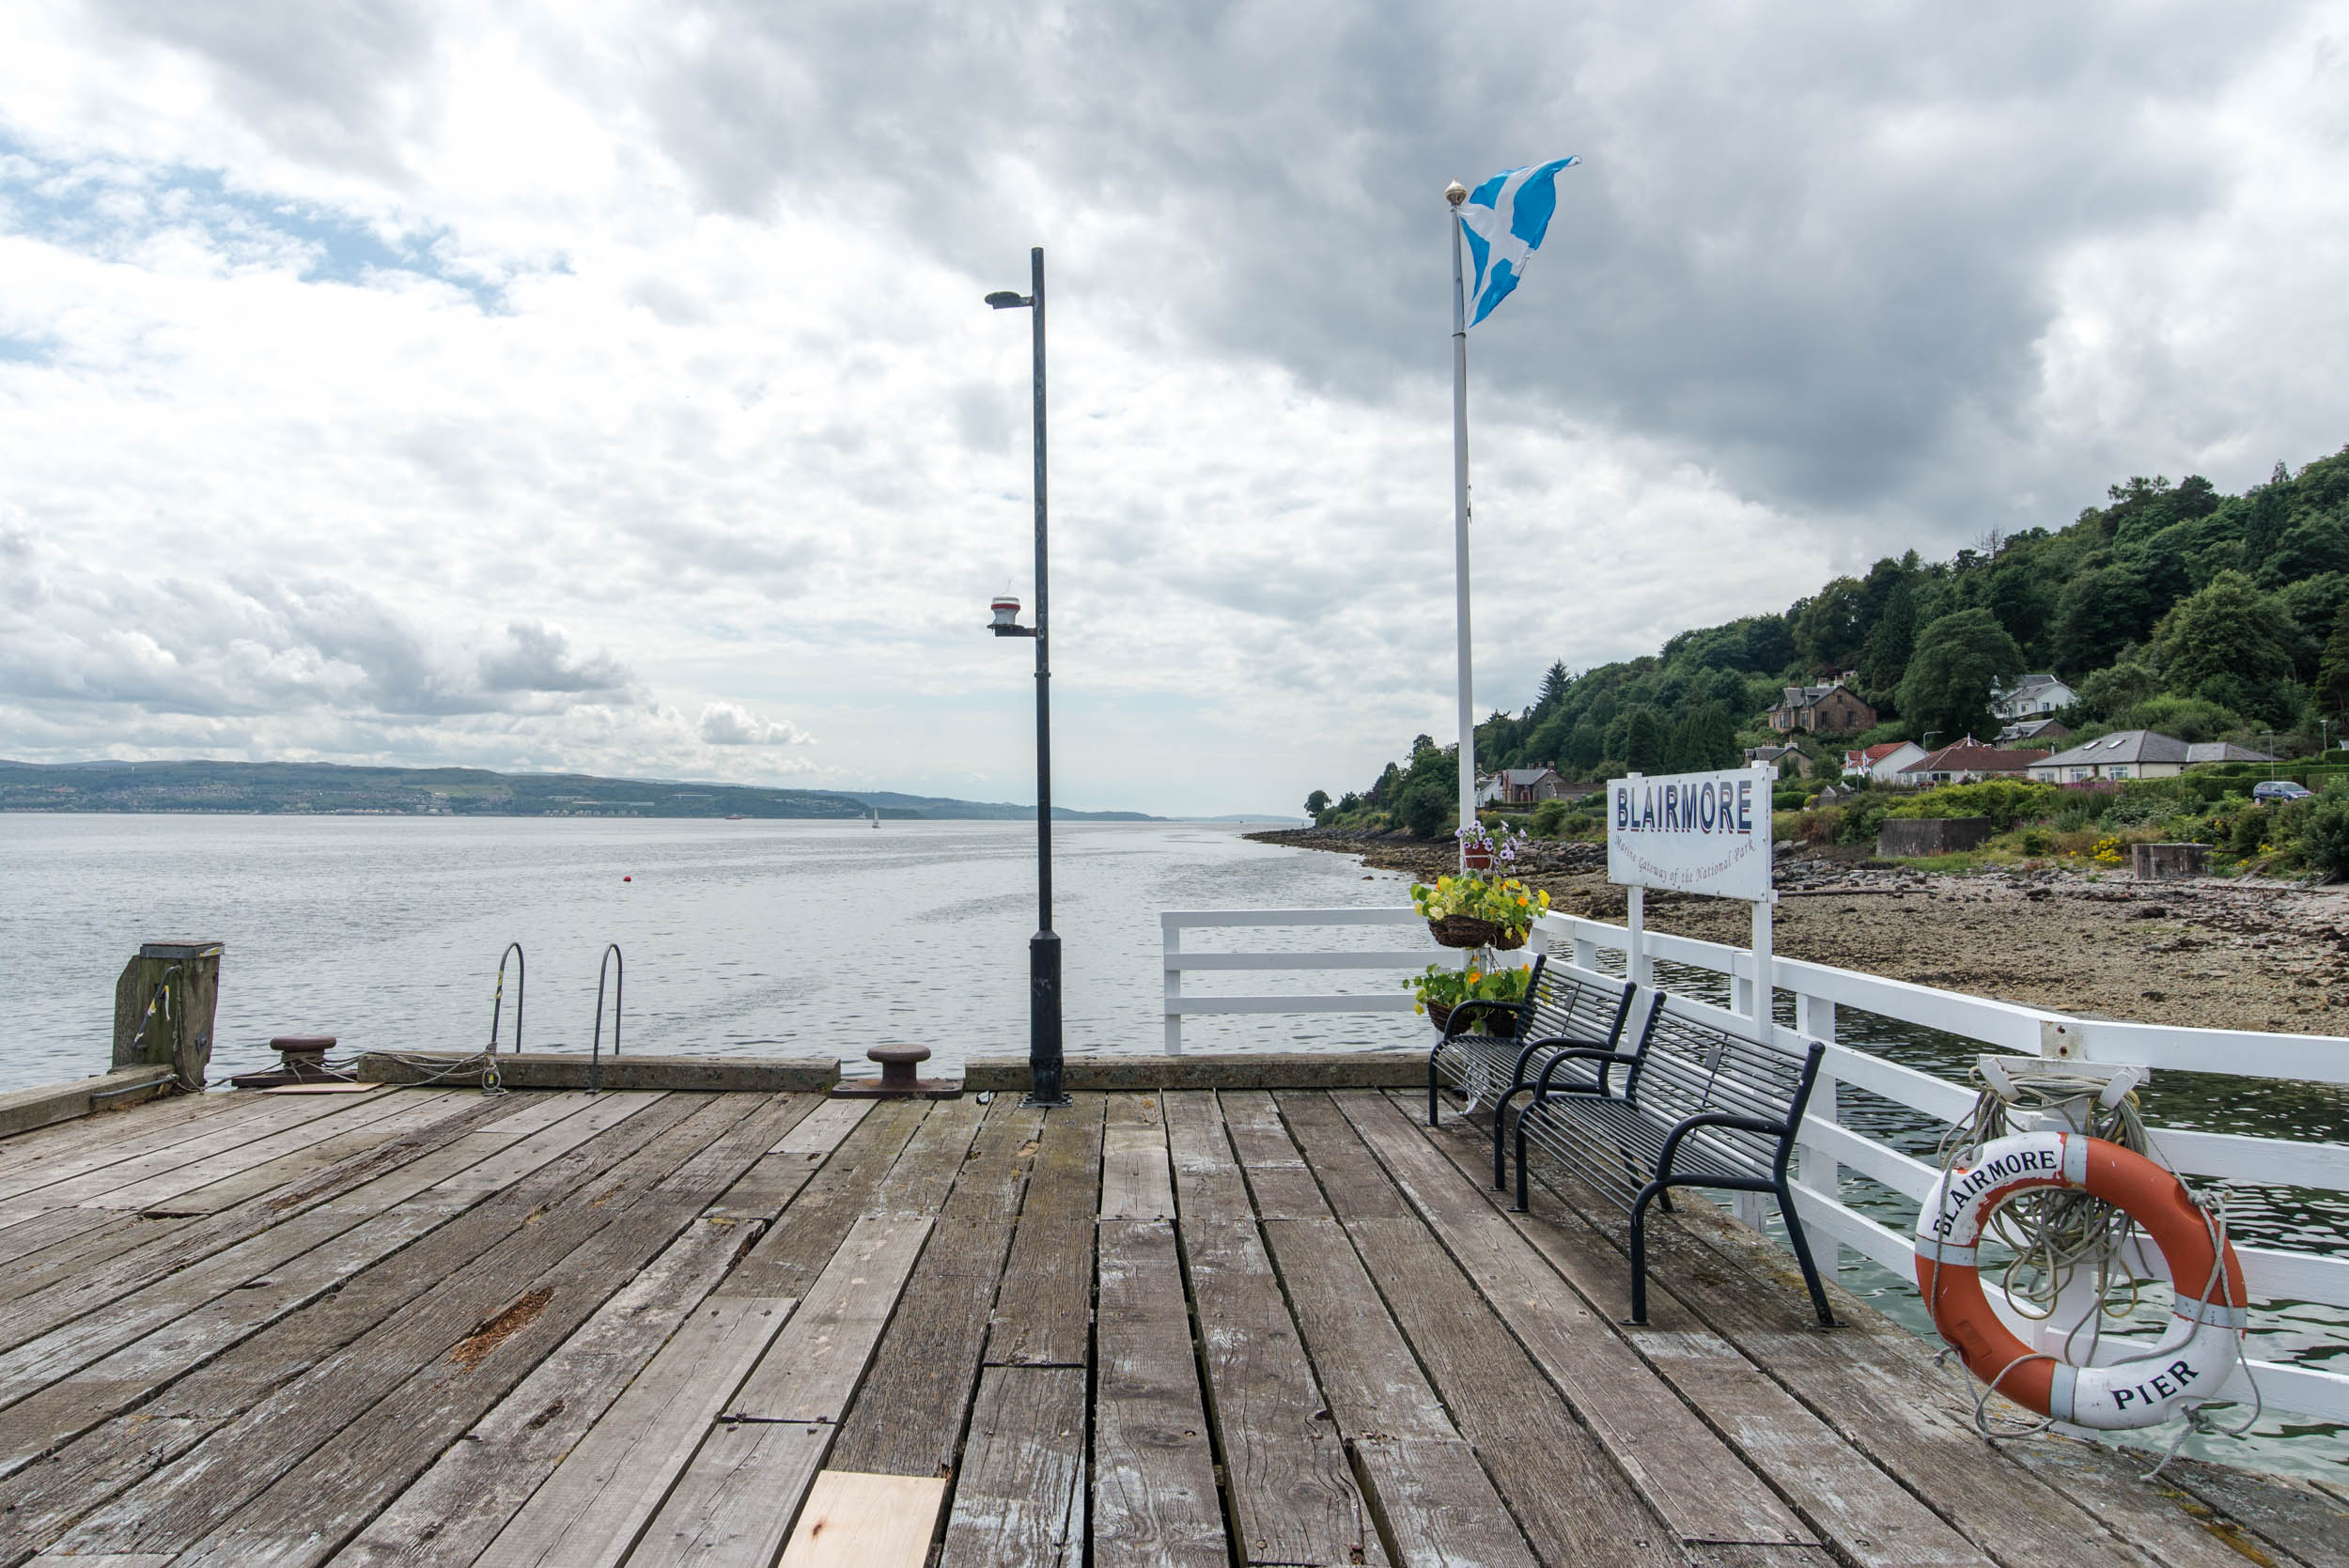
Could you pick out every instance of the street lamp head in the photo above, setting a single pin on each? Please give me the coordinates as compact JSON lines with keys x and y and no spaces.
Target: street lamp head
{"x":1003,"y":298}
{"x":1456,"y":193}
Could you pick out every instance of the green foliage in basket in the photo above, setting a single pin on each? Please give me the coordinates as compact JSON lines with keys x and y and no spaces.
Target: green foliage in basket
{"x":1503,"y":900}
{"x":1449,"y":987}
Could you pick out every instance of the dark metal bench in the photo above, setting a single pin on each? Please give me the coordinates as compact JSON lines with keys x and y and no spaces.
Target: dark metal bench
{"x":1564,"y":1008}
{"x":1689,"y":1105}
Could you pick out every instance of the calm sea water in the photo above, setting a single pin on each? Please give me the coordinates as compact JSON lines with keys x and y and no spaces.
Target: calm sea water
{"x":738,"y":937}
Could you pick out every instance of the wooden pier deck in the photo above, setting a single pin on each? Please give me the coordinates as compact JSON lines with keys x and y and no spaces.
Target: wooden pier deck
{"x":1195,"y":1327}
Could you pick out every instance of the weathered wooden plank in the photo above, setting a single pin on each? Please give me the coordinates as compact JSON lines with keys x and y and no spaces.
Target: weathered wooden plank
{"x":459,"y":1506}
{"x":801,"y":1242}
{"x":341,"y":1485}
{"x":607,"y":1488}
{"x":529,"y":1282}
{"x":1135,"y":1183}
{"x":1154,"y":1491}
{"x":34,"y":1160}
{"x":917,"y":1184}
{"x":1019,"y":1494}
{"x":739,"y":1493}
{"x":734,"y":1506}
{"x":769,"y":1186}
{"x":410,"y":1111}
{"x":41,"y":1503}
{"x":1293,"y":1495}
{"x":1994,"y":1506}
{"x":1681,"y":1466}
{"x":1572,"y":1504}
{"x":1366,"y":1370}
{"x":86,"y":1313}
{"x":34,"y":1230}
{"x":908,"y":1417}
{"x":816,"y":1366}
{"x":1282,"y":1184}
{"x":855,"y":1520}
{"x":1044,"y":1308}
{"x":2306,"y":1522}
{"x":2164,"y":1522}
{"x":282,"y":1115}
{"x":1418,"y":1484}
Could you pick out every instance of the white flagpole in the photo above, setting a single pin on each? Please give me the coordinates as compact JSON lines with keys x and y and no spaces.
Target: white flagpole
{"x":1454,"y":196}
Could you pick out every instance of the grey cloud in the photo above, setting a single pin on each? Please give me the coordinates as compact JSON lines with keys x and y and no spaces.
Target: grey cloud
{"x":539,"y":659}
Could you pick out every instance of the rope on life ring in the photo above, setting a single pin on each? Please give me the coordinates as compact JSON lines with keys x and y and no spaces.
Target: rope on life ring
{"x":2205,"y":1279}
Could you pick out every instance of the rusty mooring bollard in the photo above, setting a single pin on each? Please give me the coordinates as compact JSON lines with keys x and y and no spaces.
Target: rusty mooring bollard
{"x":897,"y":1079}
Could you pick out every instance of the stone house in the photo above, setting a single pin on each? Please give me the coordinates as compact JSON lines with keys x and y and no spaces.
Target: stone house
{"x":1829,"y":709}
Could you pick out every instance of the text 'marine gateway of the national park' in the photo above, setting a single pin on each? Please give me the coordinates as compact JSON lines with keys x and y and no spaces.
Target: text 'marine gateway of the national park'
{"x":1692,"y":833}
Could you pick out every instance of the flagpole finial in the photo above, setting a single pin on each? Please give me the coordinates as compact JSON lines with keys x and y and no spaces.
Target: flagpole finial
{"x":1456,"y":193}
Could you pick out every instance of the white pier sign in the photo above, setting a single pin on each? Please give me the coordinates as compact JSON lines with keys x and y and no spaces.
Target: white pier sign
{"x":1692,"y":833}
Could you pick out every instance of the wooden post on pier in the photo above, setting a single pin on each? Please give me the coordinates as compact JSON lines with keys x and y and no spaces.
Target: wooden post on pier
{"x":163,"y":1006}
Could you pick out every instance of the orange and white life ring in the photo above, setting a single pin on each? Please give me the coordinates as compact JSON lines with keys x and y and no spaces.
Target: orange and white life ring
{"x":2143,"y":1391}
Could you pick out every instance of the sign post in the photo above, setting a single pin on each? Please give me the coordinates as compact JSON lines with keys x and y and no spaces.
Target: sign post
{"x":1706,"y":833}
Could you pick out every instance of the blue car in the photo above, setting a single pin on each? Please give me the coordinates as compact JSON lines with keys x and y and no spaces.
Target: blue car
{"x":2279,"y":789}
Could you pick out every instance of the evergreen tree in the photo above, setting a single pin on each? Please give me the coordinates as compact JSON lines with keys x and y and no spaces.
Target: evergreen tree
{"x":2332,"y":673}
{"x":1643,"y":741}
{"x":1890,"y":643}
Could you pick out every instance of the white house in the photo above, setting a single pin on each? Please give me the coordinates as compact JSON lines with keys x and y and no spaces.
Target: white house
{"x":2033,"y":697}
{"x":1884,"y":763}
{"x":2128,"y":754}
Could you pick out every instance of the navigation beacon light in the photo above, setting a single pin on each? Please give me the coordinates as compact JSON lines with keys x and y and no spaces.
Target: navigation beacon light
{"x":1006,"y":622}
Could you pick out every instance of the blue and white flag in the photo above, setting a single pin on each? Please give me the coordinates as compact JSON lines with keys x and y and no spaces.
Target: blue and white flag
{"x":1504,"y":221}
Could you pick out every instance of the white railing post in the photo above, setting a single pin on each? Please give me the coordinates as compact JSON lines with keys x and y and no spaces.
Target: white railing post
{"x":1814,"y":1017}
{"x":1171,"y":939}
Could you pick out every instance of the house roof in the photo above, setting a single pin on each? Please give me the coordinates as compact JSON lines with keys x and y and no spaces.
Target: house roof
{"x":2031,"y":729}
{"x":1970,"y":756}
{"x":2031,"y":683}
{"x":2224,"y":750}
{"x":1804,"y":696}
{"x":1527,"y":775}
{"x":2125,"y":746}
{"x":1873,"y":754}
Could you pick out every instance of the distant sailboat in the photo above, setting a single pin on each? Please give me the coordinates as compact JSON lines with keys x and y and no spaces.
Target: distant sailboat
{"x":876,"y":818}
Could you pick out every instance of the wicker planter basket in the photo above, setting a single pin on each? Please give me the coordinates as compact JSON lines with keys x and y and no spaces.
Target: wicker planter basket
{"x":1502,"y":1026}
{"x":1462,"y":931}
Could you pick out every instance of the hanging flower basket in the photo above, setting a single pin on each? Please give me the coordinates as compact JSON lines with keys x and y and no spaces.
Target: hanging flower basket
{"x":1465,"y":931}
{"x":1500,"y":1025}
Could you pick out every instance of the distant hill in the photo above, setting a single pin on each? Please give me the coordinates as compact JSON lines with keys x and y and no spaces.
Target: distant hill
{"x":328,"y":788}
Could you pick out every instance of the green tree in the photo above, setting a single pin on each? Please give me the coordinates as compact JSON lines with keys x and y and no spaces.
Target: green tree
{"x":2332,"y":672}
{"x":2228,"y":629}
{"x":2120,"y":686}
{"x":1425,"y":809}
{"x":1894,"y":637}
{"x":1317,"y":802}
{"x":1643,"y":741}
{"x":1830,"y":629}
{"x":1959,"y":658}
{"x":2098,"y":614}
{"x":1555,"y":684}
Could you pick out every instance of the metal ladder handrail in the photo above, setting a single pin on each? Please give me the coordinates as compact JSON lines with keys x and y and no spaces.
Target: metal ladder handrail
{"x":616,"y":965}
{"x":497,"y":1001}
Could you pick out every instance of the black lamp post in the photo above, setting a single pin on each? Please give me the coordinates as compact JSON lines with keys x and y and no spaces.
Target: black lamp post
{"x":1044,"y":1034}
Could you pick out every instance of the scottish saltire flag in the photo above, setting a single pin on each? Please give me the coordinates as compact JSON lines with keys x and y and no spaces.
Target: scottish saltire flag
{"x":1504,"y":221}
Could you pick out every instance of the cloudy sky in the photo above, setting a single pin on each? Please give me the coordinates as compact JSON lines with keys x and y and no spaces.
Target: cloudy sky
{"x":605,"y":385}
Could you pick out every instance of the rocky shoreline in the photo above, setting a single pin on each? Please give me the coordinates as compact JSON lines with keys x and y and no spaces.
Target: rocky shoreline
{"x":2208,"y":952}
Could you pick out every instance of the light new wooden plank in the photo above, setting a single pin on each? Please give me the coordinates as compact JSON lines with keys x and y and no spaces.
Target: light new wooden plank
{"x":1135,"y":1183}
{"x":1154,"y":1491}
{"x":459,"y":1506}
{"x":1293,"y":1495}
{"x":1681,"y":1466}
{"x":1019,"y":1494}
{"x":590,"y":1511}
{"x":856,"y":1520}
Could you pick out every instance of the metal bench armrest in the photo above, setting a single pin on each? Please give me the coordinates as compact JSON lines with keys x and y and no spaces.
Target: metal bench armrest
{"x":1580,"y":1053}
{"x":1525,"y":1057}
{"x":1713,"y":1119}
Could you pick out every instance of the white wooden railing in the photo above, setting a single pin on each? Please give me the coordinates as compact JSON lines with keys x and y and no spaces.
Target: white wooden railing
{"x":1829,"y":1148}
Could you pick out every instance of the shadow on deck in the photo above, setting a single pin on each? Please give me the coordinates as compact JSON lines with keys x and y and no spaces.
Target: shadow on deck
{"x":1190,"y":1327}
